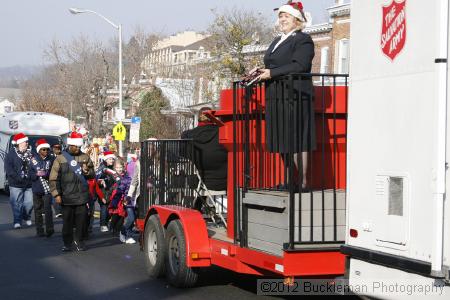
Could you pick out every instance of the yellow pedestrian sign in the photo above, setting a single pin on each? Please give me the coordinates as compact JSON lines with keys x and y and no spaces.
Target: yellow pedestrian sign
{"x":119,"y":132}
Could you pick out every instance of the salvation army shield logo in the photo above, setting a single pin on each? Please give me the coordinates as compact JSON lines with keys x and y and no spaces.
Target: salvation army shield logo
{"x":393,"y":31}
{"x":13,"y":124}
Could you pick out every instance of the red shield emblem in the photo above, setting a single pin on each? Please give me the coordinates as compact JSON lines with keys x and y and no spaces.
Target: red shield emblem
{"x":393,"y":32}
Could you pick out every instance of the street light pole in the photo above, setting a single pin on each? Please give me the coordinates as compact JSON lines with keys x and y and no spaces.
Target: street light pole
{"x":119,"y":28}
{"x":120,"y":85}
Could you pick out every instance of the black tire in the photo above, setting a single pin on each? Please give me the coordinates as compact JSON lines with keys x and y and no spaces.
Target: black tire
{"x":154,"y":247}
{"x":177,"y":272}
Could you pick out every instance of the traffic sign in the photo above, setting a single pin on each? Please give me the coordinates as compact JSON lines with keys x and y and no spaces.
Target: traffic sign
{"x":120,"y":114}
{"x":119,"y":132}
{"x":135,"y":120}
{"x":134,"y":132}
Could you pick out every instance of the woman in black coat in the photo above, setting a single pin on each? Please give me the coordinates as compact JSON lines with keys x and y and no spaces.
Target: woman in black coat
{"x":290,"y":126}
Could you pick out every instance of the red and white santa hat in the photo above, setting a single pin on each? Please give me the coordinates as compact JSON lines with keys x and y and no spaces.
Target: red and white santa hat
{"x":108,"y":154}
{"x":41,"y":143}
{"x":75,"y":139}
{"x":19,"y":138}
{"x":295,"y":9}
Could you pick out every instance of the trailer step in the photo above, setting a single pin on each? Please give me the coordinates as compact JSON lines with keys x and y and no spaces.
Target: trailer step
{"x":319,"y":220}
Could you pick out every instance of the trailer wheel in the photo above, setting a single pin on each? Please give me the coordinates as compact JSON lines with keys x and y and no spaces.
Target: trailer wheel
{"x":177,"y":272}
{"x":154,"y":247}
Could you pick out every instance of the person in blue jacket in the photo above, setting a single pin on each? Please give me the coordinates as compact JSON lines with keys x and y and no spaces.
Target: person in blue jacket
{"x":41,"y":164}
{"x":17,"y":169}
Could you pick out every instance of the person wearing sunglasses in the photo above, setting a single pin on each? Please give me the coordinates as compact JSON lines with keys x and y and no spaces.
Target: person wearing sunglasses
{"x":41,"y":165}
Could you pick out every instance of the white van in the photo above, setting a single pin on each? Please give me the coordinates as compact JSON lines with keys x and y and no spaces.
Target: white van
{"x":35,"y":125}
{"x":398,"y":215}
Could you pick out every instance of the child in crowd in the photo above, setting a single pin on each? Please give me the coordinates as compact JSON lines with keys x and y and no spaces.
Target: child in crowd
{"x":106,"y":178}
{"x":117,"y":201}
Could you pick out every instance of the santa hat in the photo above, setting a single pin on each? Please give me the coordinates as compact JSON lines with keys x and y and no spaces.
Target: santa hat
{"x":108,"y":154}
{"x":41,"y":143}
{"x":19,"y":138}
{"x":75,"y":139}
{"x":295,"y":9}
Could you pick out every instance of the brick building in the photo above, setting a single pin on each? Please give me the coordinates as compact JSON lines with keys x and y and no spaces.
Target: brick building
{"x":332,"y":40}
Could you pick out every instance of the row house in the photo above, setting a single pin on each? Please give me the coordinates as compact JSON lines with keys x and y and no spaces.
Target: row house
{"x":172,"y":55}
{"x":332,"y":41}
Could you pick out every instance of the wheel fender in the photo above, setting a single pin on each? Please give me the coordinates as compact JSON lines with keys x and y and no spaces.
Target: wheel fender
{"x":195,"y":232}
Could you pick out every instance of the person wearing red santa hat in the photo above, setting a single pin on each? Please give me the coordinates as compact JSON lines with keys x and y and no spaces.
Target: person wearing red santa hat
{"x":41,"y":165}
{"x":106,"y":177}
{"x":17,"y":169}
{"x":69,"y":187}
{"x":290,"y":53}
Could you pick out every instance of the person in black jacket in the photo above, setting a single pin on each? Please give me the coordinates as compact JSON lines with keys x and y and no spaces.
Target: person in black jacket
{"x":210,"y":157}
{"x":17,"y":169}
{"x":41,"y":165}
{"x":106,"y":178}
{"x":290,"y":124}
{"x":69,"y":187}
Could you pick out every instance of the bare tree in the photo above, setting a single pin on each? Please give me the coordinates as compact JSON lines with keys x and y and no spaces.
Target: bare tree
{"x":139,"y":45}
{"x":83,"y":70}
{"x":231,"y":31}
{"x":39,"y":95}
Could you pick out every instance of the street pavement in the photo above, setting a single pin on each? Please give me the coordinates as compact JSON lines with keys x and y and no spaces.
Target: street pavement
{"x":33,"y":268}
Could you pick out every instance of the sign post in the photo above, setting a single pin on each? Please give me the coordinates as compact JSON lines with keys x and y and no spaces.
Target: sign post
{"x":134,"y":129}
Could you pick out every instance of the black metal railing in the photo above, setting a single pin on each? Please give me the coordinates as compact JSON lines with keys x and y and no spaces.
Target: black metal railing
{"x":281,"y":128}
{"x":169,"y":177}
{"x":167,"y":174}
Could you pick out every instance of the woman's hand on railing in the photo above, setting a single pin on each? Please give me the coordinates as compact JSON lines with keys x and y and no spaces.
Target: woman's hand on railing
{"x":265,"y":75}
{"x":251,"y":76}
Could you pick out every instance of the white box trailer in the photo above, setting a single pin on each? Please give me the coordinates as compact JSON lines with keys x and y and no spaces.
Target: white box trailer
{"x":35,"y":125}
{"x":398,"y":217}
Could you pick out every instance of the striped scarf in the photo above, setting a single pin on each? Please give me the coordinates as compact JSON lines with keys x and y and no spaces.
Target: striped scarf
{"x":26,"y":158}
{"x":45,"y":185}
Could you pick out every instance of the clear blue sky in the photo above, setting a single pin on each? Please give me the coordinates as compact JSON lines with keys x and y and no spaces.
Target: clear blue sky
{"x":27,"y":26}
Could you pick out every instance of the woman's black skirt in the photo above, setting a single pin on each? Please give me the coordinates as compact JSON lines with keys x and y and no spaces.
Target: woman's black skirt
{"x":290,"y":126}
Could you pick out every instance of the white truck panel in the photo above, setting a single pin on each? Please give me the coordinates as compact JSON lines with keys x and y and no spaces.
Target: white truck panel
{"x":34,"y":123}
{"x":31,"y":124}
{"x":392,"y":131}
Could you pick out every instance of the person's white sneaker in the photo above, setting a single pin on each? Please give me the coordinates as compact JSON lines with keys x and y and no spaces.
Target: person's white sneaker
{"x":103,"y":228}
{"x":122,"y":238}
{"x":130,"y":241}
{"x":17,"y":226}
{"x":28,"y":222}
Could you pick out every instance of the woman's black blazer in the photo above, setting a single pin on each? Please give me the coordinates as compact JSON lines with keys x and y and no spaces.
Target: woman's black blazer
{"x":294,"y":55}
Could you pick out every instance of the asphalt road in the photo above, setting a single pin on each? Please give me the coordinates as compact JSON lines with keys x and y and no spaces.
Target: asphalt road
{"x":33,"y":268}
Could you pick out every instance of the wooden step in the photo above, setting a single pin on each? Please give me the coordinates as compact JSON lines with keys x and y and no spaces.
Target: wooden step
{"x":268,"y":218}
